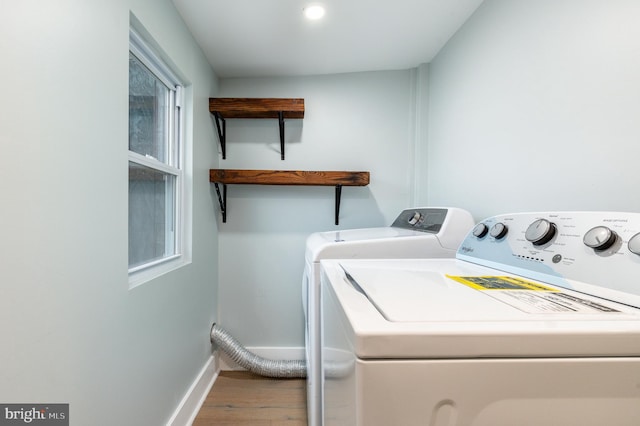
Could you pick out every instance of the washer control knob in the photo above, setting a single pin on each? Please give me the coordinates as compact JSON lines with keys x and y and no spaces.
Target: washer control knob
{"x":499,"y":230}
{"x":540,"y":232}
{"x":480,"y":230}
{"x":599,"y":238}
{"x":634,"y":244}
{"x":415,"y":218}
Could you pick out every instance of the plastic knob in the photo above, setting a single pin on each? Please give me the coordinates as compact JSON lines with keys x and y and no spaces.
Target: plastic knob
{"x":599,"y":238}
{"x":480,"y":230}
{"x":540,"y":232}
{"x":415,"y":218}
{"x":634,"y":244}
{"x":499,"y":230}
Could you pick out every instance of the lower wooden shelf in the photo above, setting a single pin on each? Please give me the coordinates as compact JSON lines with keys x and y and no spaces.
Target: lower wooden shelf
{"x":285,"y":177}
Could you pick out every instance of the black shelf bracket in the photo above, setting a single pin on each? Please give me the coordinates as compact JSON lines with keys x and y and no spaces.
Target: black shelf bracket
{"x":222,"y":199}
{"x":338,"y":196}
{"x":222,"y":132}
{"x":281,"y":124}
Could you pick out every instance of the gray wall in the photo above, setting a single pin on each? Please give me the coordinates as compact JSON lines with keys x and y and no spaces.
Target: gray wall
{"x":71,"y":329}
{"x":360,"y":122}
{"x":534,"y":105}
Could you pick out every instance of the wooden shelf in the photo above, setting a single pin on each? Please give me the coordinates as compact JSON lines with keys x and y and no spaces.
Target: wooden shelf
{"x":289,"y":177}
{"x":285,"y":177}
{"x":280,"y":108}
{"x":257,"y":107}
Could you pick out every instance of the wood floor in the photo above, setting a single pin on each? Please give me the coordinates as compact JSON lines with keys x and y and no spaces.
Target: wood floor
{"x":240,"y":398}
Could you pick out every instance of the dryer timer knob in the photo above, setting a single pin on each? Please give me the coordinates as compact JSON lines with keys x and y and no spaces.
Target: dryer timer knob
{"x":415,"y":218}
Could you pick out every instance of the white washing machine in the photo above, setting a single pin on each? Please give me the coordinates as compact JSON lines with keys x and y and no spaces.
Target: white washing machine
{"x":535,"y":322}
{"x":416,"y":233}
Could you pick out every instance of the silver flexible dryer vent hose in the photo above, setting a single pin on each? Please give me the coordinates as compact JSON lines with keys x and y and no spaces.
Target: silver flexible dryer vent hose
{"x":254,"y":363}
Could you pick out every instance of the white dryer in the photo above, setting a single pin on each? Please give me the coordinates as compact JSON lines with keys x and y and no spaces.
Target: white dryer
{"x":416,"y":233}
{"x":536,"y":322}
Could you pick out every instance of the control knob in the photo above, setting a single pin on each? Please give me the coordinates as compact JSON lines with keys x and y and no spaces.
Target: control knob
{"x":499,"y":230}
{"x":480,"y":230}
{"x":415,"y":218}
{"x":599,"y":238}
{"x":634,"y":244}
{"x":540,"y":232}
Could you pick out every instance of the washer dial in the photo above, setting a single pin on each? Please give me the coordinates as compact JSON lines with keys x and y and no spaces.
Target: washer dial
{"x":634,"y":244}
{"x":480,"y":230}
{"x":499,"y":230}
{"x":599,"y":238}
{"x":540,"y":232}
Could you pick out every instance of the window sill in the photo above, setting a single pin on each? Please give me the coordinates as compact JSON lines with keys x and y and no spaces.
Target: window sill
{"x":155,"y":270}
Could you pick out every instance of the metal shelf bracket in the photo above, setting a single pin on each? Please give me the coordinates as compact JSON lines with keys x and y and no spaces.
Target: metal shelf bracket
{"x":222,"y":199}
{"x":281,"y":124}
{"x":338,"y":196}
{"x":222,"y":132}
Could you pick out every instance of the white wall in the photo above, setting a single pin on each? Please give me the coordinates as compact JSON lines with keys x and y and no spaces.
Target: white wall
{"x":71,"y":330}
{"x":534,"y":105}
{"x":358,"y":122}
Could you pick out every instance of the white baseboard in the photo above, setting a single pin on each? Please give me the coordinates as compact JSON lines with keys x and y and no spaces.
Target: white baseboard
{"x":188,"y":408}
{"x":278,"y":353}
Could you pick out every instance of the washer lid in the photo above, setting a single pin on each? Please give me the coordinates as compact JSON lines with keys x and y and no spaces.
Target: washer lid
{"x":423,"y":295}
{"x":415,"y":295}
{"x":447,"y":308}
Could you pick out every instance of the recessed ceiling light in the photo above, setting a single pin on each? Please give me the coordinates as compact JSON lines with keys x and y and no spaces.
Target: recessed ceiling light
{"x":313,"y":11}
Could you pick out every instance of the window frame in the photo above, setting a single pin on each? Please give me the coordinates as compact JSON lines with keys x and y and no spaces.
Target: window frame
{"x":174,"y":165}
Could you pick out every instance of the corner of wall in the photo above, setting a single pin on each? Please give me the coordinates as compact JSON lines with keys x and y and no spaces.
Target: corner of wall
{"x":420,"y":131}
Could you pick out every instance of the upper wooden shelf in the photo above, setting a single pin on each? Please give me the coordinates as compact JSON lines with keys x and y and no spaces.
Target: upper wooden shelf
{"x":289,"y":177}
{"x":280,"y":108}
{"x":285,"y":177}
{"x":257,"y":107}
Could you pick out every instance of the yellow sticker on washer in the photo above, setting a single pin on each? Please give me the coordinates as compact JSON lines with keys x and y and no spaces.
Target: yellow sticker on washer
{"x":500,"y":283}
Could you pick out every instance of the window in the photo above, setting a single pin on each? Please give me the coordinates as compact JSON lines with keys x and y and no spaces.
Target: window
{"x":156,"y":171}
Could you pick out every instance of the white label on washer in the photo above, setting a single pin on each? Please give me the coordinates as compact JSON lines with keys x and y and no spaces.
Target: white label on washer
{"x":536,"y":302}
{"x":532,"y":297}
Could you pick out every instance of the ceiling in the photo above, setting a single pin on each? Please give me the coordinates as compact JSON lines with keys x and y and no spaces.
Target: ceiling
{"x":260,"y":38}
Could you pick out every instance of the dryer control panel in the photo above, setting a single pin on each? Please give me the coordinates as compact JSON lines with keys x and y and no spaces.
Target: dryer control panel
{"x":594,"y":252}
{"x":421,"y":219}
